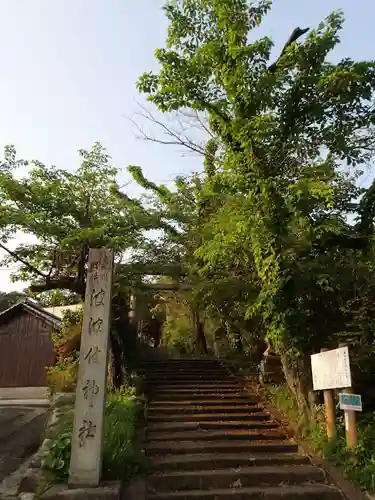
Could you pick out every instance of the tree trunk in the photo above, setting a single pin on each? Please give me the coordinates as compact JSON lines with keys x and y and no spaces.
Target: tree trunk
{"x":155,"y":327}
{"x":201,"y":344}
{"x":201,"y":339}
{"x":117,"y":361}
{"x":299,"y":380}
{"x":238,"y":341}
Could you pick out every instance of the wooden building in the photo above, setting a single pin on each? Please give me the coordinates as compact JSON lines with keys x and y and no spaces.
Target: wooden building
{"x":26,"y":345}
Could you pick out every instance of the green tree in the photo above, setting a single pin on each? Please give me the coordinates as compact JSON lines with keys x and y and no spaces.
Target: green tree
{"x":286,"y":128}
{"x":68,"y":212}
{"x":9,"y":299}
{"x":55,"y":298}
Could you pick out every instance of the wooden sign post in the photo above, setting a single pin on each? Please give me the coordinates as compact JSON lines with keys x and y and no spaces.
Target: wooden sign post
{"x":330,"y":370}
{"x":350,"y":416}
{"x":330,"y":411}
{"x":87,"y":439}
{"x":350,"y":426}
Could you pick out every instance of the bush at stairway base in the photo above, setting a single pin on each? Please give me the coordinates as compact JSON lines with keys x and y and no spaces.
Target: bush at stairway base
{"x":358,"y":465}
{"x":120,"y":460}
{"x":178,"y":338}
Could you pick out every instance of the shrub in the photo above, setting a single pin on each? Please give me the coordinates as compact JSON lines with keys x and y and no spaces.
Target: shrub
{"x":62,"y":377}
{"x":178,"y":337}
{"x":119,"y":456}
{"x":67,"y":339}
{"x":120,"y":460}
{"x":313,"y":431}
{"x":358,"y":464}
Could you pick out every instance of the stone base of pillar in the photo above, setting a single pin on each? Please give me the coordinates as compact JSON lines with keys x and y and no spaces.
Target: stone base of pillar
{"x":107,"y":491}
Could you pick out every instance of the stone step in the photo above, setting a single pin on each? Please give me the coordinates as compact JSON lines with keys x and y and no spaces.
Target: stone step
{"x":239,"y":394}
{"x":202,"y":461}
{"x":183,"y":366}
{"x":197,"y":425}
{"x":218,"y":434}
{"x":209,"y":439}
{"x":178,"y":396}
{"x":181,"y":380}
{"x":192,"y":370}
{"x":186,"y":370}
{"x":286,"y":492}
{"x":186,"y":366}
{"x":179,"y":415}
{"x":219,"y":446}
{"x":170,"y":386}
{"x":236,"y":477}
{"x":204,"y":399}
{"x":184,"y":376}
{"x":172,"y":407}
{"x":181,"y":361}
{"x":200,"y":390}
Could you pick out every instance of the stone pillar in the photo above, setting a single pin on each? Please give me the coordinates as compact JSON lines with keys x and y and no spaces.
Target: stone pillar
{"x":87,"y":439}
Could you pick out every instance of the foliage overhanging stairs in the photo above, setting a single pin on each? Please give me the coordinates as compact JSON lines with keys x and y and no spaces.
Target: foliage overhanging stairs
{"x":208,"y":439}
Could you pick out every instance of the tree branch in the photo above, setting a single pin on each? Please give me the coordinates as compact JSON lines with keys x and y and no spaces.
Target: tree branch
{"x":24,"y":262}
{"x":297,"y":33}
{"x":152,"y":222}
{"x":177,"y":139}
{"x":202,"y":124}
{"x":218,"y":112}
{"x":77,"y":286}
{"x":67,"y":283}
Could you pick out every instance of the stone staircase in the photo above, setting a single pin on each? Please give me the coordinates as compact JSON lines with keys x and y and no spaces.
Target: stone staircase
{"x":208,"y":439}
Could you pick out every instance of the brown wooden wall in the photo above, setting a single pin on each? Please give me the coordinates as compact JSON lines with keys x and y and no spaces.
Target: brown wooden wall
{"x":25,"y":349}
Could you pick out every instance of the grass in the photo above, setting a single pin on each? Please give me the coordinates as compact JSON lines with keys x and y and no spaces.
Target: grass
{"x":120,"y":458}
{"x":358,"y":464}
{"x":314,"y":431}
{"x":244,"y":365}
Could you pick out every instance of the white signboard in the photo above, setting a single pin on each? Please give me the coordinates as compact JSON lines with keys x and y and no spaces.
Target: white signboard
{"x":331,"y":369}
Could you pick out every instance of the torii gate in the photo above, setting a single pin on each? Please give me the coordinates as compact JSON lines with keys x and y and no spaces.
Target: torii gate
{"x":152,"y":270}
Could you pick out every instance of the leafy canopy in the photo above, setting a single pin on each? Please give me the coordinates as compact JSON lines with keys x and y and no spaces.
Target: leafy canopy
{"x":286,"y":132}
{"x":67,"y":212}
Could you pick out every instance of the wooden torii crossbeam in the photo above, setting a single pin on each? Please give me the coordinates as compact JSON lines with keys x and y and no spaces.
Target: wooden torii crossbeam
{"x":166,"y":286}
{"x":151,"y":269}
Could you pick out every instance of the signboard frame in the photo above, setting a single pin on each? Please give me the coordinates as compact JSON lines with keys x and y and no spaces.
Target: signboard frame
{"x":350,"y":406}
{"x":331,"y":369}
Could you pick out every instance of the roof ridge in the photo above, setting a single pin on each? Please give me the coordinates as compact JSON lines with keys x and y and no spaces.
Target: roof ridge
{"x":34,"y":307}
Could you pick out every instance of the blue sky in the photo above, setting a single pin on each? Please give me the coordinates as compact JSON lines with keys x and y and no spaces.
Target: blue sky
{"x":69,"y":69}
